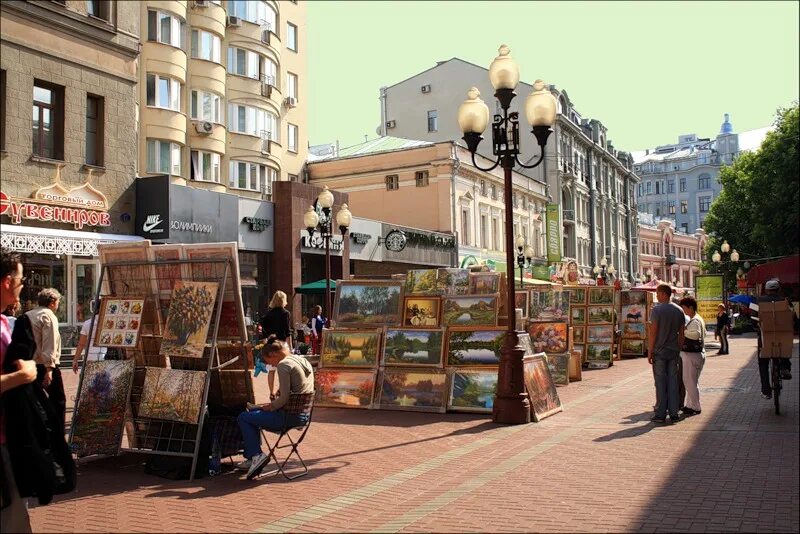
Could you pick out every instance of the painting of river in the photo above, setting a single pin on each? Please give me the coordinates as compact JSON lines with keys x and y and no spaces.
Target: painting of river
{"x":350,"y":348}
{"x":472,"y":390}
{"x":344,"y":388}
{"x":474,"y":346}
{"x":469,"y":311}
{"x":419,"y":390}
{"x":407,"y":347}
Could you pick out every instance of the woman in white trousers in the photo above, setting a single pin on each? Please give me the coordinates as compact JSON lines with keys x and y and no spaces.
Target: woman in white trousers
{"x":693,"y":355}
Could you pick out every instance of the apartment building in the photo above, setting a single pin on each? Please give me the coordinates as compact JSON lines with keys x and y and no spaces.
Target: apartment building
{"x":591,"y":181}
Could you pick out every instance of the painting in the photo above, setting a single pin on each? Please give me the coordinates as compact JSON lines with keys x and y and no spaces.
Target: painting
{"x":361,"y":303}
{"x":172,"y":394}
{"x":521,"y":301}
{"x":634,"y":313}
{"x":337,"y":388}
{"x":422,"y":282}
{"x":469,"y":311}
{"x":541,"y":389}
{"x":632,"y":347}
{"x":559,"y":368}
{"x":633,"y":297}
{"x":168,"y":273}
{"x":453,"y":281}
{"x":601,"y":296}
{"x":99,"y":421}
{"x":549,"y":305}
{"x":484,"y":283}
{"x":419,"y":390}
{"x":577,"y":295}
{"x":188,"y":319}
{"x":350,"y":348}
{"x":421,"y":312}
{"x":578,"y":315}
{"x":634,"y":330}
{"x":408,"y":347}
{"x":600,"y":334}
{"x":581,"y":349}
{"x":472,"y":390}
{"x":125,"y":280}
{"x":550,"y":337}
{"x":598,"y":352}
{"x":600,"y":315}
{"x":575,"y":365}
{"x":119,"y":322}
{"x":525,"y":341}
{"x":579,"y":334}
{"x":474,"y":346}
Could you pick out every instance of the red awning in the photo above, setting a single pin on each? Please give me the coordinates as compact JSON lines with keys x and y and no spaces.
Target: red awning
{"x":787,"y":270}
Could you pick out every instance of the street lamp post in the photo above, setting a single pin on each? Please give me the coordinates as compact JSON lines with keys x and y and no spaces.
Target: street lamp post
{"x":725,"y":248}
{"x":524,"y":256}
{"x":324,"y":225}
{"x":511,"y":404}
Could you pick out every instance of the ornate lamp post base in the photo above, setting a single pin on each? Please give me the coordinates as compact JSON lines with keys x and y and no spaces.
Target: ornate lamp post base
{"x":510,"y":406}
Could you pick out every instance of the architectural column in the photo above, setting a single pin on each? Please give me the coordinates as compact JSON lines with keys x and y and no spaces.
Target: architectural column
{"x":592,"y":204}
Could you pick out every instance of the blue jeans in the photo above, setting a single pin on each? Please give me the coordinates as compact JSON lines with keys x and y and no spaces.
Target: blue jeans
{"x":665,"y":372}
{"x":251,"y":422}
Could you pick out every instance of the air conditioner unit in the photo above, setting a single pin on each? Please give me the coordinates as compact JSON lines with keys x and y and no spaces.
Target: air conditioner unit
{"x":426,"y":88}
{"x":290,"y":101}
{"x":391,"y":124}
{"x":204,"y":127}
{"x":265,"y":144}
{"x":265,"y":36}
{"x":200,"y":3}
{"x":234,"y":22}
{"x":266,"y":89}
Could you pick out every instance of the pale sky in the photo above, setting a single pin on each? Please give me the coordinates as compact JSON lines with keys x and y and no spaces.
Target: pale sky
{"x":649,"y":71}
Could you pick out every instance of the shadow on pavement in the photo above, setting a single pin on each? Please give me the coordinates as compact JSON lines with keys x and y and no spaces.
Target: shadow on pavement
{"x":645,"y":426}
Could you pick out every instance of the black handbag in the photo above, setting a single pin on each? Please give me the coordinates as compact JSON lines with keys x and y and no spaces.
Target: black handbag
{"x":692,"y":345}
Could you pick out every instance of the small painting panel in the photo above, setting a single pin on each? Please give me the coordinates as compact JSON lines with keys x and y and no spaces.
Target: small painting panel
{"x":525,"y":341}
{"x":168,"y":273}
{"x":350,"y":348}
{"x":550,"y":337}
{"x":633,"y":347}
{"x":634,"y":330}
{"x":559,"y":368}
{"x":422,"y":282}
{"x":600,"y":315}
{"x":521,"y":301}
{"x":541,"y":388}
{"x":484,"y":283}
{"x":125,"y":280}
{"x":409,"y":347}
{"x":549,"y":305}
{"x":337,"y":388}
{"x":578,"y":315}
{"x":474,"y":346}
{"x":470,"y":311}
{"x":188,"y":318}
{"x":601,"y":296}
{"x":453,"y":281}
{"x":633,"y":297}
{"x":579,"y":335}
{"x":581,"y":349}
{"x":172,"y":394}
{"x":119,"y":322}
{"x":472,"y":390}
{"x":635,"y":313}
{"x":421,"y":312}
{"x":361,"y":303}
{"x":419,"y":390}
{"x":600,"y":334}
{"x":577,"y":295}
{"x":575,"y":365}
{"x":598,"y":352}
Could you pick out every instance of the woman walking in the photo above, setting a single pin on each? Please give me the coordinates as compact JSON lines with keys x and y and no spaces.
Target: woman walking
{"x":723,"y":325}
{"x":276,"y":322}
{"x":693,"y":355}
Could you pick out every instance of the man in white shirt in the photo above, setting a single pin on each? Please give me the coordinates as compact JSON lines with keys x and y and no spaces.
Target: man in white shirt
{"x":87,"y":339}
{"x":48,"y":349}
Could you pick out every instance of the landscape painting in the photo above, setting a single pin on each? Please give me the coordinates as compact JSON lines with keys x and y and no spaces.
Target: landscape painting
{"x":634,"y":313}
{"x":634,"y":330}
{"x":172,"y":394}
{"x":472,"y":390}
{"x":549,"y":305}
{"x":632,"y":346}
{"x":525,"y":341}
{"x":469,"y":311}
{"x":366,"y":303}
{"x":579,"y":334}
{"x":577,"y":295}
{"x":600,"y":334}
{"x":350,"y":348}
{"x":484,"y":283}
{"x":422,"y":282}
{"x":421,"y":390}
{"x":474,"y":346}
{"x":408,"y":347}
{"x":578,"y":315}
{"x":421,"y":312}
{"x":601,"y":314}
{"x":521,"y":302}
{"x":188,"y":319}
{"x":633,"y":297}
{"x":344,"y":388}
{"x":559,"y":368}
{"x":595,"y":352}
{"x":601,"y":296}
{"x":453,"y":281}
{"x":100,"y":419}
{"x":541,"y":388}
{"x":550,"y":337}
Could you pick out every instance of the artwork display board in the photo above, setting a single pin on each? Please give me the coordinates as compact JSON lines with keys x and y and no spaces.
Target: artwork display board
{"x":366,"y":303}
{"x":472,"y":390}
{"x":340,"y":388}
{"x":420,"y":390}
{"x":633,"y":316}
{"x":559,"y":368}
{"x":119,"y":322}
{"x":541,"y":388}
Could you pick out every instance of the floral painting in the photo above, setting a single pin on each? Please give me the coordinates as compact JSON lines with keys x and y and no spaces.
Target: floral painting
{"x":422,"y":282}
{"x":188,"y":319}
{"x":469,"y":311}
{"x":600,"y":334}
{"x":549,"y":305}
{"x":484,"y":283}
{"x":366,"y":303}
{"x":453,"y":281}
{"x":474,"y":346}
{"x":472,"y":390}
{"x":559,"y":368}
{"x":550,"y":337}
{"x":350,"y":348}
{"x":172,"y":394}
{"x":598,"y":352}
{"x":337,"y":388}
{"x":100,"y":417}
{"x":422,"y":390}
{"x":634,"y":330}
{"x":541,"y":388}
{"x":634,"y":313}
{"x":601,"y":296}
{"x":409,"y":347}
{"x":421,"y":312}
{"x":632,"y":346}
{"x":600,"y":314}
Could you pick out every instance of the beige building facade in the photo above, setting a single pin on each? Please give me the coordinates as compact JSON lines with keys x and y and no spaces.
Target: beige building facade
{"x":667,"y":254}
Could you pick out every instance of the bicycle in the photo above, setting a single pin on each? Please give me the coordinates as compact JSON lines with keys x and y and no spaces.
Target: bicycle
{"x":777,"y":383}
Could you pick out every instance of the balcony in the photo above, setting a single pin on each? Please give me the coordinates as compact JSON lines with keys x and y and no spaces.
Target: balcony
{"x":569,"y":169}
{"x":669,"y":259}
{"x":569,"y":216}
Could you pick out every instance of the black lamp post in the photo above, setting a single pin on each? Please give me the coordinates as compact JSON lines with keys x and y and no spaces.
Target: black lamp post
{"x":511,"y":403}
{"x":524,"y":256}
{"x":323,"y":223}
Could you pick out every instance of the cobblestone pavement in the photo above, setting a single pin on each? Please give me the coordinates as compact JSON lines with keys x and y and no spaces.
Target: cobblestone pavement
{"x":598,"y":466}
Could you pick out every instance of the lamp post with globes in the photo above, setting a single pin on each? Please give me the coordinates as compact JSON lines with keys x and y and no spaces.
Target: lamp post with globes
{"x":524,"y":256}
{"x":718,"y":259}
{"x":324,"y":225}
{"x":511,"y":403}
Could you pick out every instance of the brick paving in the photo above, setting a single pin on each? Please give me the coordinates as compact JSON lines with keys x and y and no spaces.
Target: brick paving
{"x":598,"y":466}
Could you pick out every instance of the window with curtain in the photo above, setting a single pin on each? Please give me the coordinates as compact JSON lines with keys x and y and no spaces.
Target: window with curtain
{"x":205,"y":166}
{"x":163,"y":157}
{"x":205,"y":45}
{"x":48,"y":120}
{"x":269,"y":72}
{"x":163,"y":92}
{"x":206,"y":106}
{"x":243,"y":62}
{"x":166,"y":28}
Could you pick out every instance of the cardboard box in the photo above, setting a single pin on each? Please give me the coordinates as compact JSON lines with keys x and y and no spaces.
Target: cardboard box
{"x":776,"y":344}
{"x":775,"y":316}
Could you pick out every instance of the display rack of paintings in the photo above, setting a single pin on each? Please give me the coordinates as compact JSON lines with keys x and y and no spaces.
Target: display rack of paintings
{"x":542,"y":392}
{"x":633,"y":314}
{"x":410,"y":389}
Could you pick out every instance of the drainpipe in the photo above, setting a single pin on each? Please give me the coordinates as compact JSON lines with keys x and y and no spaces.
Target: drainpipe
{"x":382,"y":98}
{"x":592,"y":203}
{"x":453,"y":174}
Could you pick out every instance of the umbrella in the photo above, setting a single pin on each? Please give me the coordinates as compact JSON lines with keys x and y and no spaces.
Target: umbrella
{"x":741,"y":299}
{"x":315,"y":288}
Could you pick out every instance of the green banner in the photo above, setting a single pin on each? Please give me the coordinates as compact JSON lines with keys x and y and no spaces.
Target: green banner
{"x":553,"y":234}
{"x":709,"y":287}
{"x":541,"y":272}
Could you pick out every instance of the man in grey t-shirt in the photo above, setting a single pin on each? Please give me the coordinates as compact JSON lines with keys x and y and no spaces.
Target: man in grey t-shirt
{"x":665,"y":337}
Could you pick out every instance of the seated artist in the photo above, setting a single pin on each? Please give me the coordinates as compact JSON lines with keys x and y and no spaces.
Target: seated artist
{"x":295,"y":375}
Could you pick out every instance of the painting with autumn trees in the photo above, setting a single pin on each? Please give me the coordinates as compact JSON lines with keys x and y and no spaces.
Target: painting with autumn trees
{"x":172,"y":394}
{"x":421,"y":390}
{"x":422,"y":282}
{"x":344,"y":388}
{"x":350,"y":348}
{"x":363,"y":303}
{"x":541,"y":388}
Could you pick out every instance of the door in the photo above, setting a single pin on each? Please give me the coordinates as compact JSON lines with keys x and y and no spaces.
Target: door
{"x":85,"y":275}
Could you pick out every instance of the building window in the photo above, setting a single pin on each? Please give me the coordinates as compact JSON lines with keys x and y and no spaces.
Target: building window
{"x":649,"y":187}
{"x":483,"y":232}
{"x":671,"y":186}
{"x":269,"y":72}
{"x":291,"y":130}
{"x":705,"y":203}
{"x":464,"y":227}
{"x":685,"y":228}
{"x":291,"y":85}
{"x":205,"y":45}
{"x":2,"y":110}
{"x":483,"y":187}
{"x":433,"y":121}
{"x":206,"y":107}
{"x":205,"y":166}
{"x":293,"y":178}
{"x":683,"y":185}
{"x":672,"y":207}
{"x":494,"y":192}
{"x":48,"y":120}
{"x":684,"y":206}
{"x":495,"y":235}
{"x":392,"y":182}
{"x":163,"y":92}
{"x":257,"y":12}
{"x":163,"y":157}
{"x":246,"y":175}
{"x":252,"y":121}
{"x":704,"y":182}
{"x":166,"y":28}
{"x":421,"y":178}
{"x":243,"y":62}
{"x":95,"y":122}
{"x":291,"y":36}
{"x":98,"y":8}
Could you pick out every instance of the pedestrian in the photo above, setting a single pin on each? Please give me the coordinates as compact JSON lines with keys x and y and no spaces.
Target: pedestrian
{"x":318,"y":323}
{"x":276,"y":322}
{"x":722,"y":329}
{"x":693,"y":355}
{"x":771,"y":294}
{"x":48,"y":350}
{"x":14,"y":515}
{"x":665,"y":338}
{"x":10,"y":312}
{"x":86,"y":339}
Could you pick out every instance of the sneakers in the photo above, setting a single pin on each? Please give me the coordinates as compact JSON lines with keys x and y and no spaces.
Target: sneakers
{"x":766,"y":396}
{"x":258,"y":462}
{"x":244,"y":466}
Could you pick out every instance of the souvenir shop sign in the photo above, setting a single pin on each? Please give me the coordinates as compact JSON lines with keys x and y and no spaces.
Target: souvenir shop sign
{"x":80,"y":206}
{"x":553,"y":234}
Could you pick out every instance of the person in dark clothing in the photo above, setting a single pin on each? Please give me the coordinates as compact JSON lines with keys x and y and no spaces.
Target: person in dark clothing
{"x":276,"y":322}
{"x":723,"y":327}
{"x":772,"y":294}
{"x":318,"y":322}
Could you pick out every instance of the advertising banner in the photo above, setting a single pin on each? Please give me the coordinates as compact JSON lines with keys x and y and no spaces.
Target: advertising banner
{"x":710,"y":294}
{"x":553,"y":234}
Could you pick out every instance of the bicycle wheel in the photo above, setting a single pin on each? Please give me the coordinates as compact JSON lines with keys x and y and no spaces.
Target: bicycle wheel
{"x":776,"y":384}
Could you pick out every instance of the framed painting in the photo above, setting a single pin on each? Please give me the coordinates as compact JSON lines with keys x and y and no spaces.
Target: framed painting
{"x":422,"y":282}
{"x":453,"y":281}
{"x":633,"y":297}
{"x":559,"y":368}
{"x":581,"y":349}
{"x":168,"y":273}
{"x":577,"y":295}
{"x":189,"y":318}
{"x":417,"y":390}
{"x":172,"y":395}
{"x":525,"y":341}
{"x":408,"y":347}
{"x":484,"y":283}
{"x":338,"y":388}
{"x":550,"y":337}
{"x":98,"y":424}
{"x":472,"y":390}
{"x":600,"y":334}
{"x":421,"y":312}
{"x":578,"y":334}
{"x":125,"y":280}
{"x":470,"y":311}
{"x":634,"y":330}
{"x":575,"y":365}
{"x":601,"y":296}
{"x":598,"y":352}
{"x":632,"y":347}
{"x":577,"y":315}
{"x":598,"y":365}
{"x":350,"y":348}
{"x":364,"y":303}
{"x":633,"y":313}
{"x":474,"y":346}
{"x":549,"y":305}
{"x":541,"y":388}
{"x":600,"y":315}
{"x":522,"y":301}
{"x":119,"y":322}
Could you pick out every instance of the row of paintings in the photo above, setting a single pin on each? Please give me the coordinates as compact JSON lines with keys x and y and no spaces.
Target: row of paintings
{"x":451,"y":282}
{"x":433,"y":312}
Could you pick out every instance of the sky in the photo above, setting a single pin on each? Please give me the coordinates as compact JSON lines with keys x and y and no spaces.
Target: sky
{"x":649,"y":71}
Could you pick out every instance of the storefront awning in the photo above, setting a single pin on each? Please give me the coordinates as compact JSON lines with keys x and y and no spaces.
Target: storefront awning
{"x":315,"y":288}
{"x":53,"y":241}
{"x":785,"y":269}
